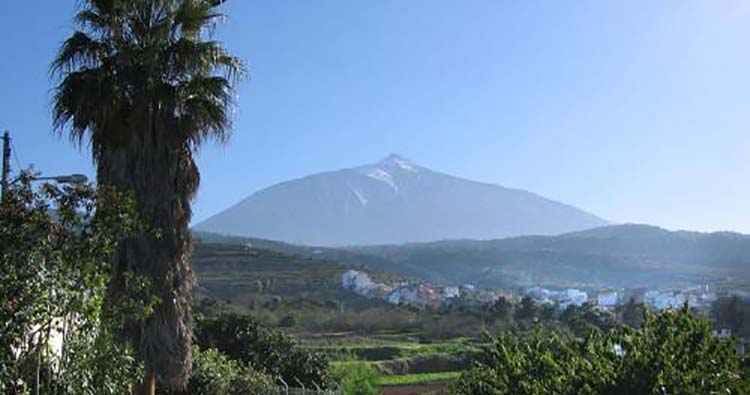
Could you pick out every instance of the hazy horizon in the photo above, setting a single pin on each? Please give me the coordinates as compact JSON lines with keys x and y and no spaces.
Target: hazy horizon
{"x":634,"y":112}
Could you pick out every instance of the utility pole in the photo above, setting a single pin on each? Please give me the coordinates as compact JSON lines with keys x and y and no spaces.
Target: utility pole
{"x":6,"y":163}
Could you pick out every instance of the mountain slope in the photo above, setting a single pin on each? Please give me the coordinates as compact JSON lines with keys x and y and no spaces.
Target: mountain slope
{"x":619,"y":255}
{"x":615,"y":256}
{"x":393,"y":201}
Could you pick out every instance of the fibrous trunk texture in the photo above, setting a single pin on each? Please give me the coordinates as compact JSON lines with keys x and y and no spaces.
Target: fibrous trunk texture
{"x":163,"y":178}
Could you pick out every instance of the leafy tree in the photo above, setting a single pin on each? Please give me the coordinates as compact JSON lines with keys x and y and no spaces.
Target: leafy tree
{"x":501,"y":310}
{"x":633,"y":314}
{"x":676,"y":353}
{"x":144,"y":84}
{"x":583,"y":319}
{"x":547,"y":311}
{"x":540,"y":364}
{"x":527,"y":309}
{"x":56,"y":335}
{"x":732,"y":313}
{"x":673,"y":353}
{"x":270,"y":351}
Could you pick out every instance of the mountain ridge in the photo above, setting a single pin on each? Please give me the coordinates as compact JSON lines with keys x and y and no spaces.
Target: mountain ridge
{"x":628,"y":255}
{"x":393,"y":201}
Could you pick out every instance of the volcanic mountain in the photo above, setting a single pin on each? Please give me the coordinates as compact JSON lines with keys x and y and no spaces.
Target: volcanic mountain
{"x":393,"y":201}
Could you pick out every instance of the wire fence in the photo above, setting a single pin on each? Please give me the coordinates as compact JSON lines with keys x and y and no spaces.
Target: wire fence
{"x":300,"y":391}
{"x":284,"y":388}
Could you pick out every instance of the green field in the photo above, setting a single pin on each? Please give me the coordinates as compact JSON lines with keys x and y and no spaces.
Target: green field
{"x":421,"y":378}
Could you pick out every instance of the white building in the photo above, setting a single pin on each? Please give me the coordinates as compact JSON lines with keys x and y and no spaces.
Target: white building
{"x":543,"y":295}
{"x":607,"y":299}
{"x":572,"y":297}
{"x":451,"y":292}
{"x":356,"y":281}
{"x":665,"y":300}
{"x":469,"y":287}
{"x":564,"y":298}
{"x":395,"y":297}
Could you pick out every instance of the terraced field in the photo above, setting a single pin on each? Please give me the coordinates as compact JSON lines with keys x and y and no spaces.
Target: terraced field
{"x":405,"y":365}
{"x":300,"y":294}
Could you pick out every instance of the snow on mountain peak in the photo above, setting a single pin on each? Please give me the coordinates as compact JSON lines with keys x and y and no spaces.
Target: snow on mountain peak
{"x":398,"y":162}
{"x":361,"y":197}
{"x":381,"y":175}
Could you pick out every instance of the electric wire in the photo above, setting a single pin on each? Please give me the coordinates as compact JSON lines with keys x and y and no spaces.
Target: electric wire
{"x":15,"y":155}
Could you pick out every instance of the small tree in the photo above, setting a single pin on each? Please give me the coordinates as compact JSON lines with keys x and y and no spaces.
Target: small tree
{"x":269,"y":351}
{"x":355,"y":378}
{"x":215,"y":374}
{"x":732,"y":312}
{"x":56,"y":335}
{"x":527,"y":309}
{"x":633,"y":313}
{"x":676,"y":353}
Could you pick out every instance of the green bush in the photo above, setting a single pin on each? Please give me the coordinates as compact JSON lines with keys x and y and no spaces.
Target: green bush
{"x":56,"y":245}
{"x":215,"y":374}
{"x":673,"y":353}
{"x":355,"y":378}
{"x":269,"y":351}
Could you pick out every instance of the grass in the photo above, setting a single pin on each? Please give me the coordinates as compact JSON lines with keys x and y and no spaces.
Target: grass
{"x":380,"y":350}
{"x":415,"y":379}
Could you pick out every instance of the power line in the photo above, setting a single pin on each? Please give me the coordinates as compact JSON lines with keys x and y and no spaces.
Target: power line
{"x":15,"y":155}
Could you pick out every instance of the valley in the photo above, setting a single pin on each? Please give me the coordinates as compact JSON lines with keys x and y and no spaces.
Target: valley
{"x":338,"y":301}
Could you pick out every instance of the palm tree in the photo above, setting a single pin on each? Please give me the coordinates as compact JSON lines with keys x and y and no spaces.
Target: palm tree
{"x":144,"y":84}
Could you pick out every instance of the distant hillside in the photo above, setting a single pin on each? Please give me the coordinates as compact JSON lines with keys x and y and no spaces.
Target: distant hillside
{"x":350,"y":258}
{"x":232,"y":271}
{"x":621,"y":255}
{"x":393,"y":201}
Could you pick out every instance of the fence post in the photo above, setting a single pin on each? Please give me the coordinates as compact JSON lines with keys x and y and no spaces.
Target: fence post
{"x":301,"y":385}
{"x":286,"y":386}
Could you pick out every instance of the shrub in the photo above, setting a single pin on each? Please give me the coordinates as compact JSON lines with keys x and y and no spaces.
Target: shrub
{"x":673,"y":353}
{"x":269,"y":351}
{"x":56,"y":245}
{"x":215,"y":374}
{"x":355,"y":378}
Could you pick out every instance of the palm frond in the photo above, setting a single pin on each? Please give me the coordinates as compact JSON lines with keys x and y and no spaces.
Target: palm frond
{"x":203,"y":111}
{"x":186,"y":57}
{"x":80,"y":51}
{"x":194,"y":16}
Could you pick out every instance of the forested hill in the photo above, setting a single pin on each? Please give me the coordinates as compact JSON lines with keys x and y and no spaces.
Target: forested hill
{"x":619,"y":255}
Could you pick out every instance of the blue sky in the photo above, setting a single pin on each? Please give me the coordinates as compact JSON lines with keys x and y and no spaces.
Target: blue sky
{"x":637,"y":111}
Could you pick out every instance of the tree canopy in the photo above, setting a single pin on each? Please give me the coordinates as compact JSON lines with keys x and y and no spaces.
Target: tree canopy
{"x":673,"y":352}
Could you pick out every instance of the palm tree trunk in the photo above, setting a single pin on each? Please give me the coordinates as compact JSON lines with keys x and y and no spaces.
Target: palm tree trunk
{"x":163,"y":178}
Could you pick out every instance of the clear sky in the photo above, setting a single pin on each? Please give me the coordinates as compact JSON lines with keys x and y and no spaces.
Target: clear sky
{"x":637,"y":111}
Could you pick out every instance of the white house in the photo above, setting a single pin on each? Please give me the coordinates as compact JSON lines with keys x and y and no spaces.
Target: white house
{"x":395,"y":297}
{"x":356,"y":281}
{"x":607,"y":299}
{"x":572,"y":297}
{"x":665,"y":300}
{"x":451,"y":292}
